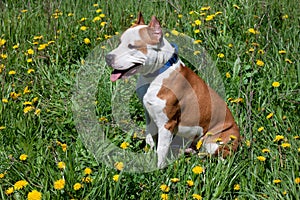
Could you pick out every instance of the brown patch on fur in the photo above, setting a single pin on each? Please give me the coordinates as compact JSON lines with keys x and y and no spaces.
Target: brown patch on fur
{"x":147,"y":36}
{"x":141,"y":46}
{"x":190,"y":102}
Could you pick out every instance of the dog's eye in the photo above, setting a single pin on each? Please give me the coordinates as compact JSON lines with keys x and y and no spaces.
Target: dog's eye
{"x":130,"y":46}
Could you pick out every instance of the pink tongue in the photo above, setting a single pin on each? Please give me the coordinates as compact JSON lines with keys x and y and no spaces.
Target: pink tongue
{"x":114,"y":77}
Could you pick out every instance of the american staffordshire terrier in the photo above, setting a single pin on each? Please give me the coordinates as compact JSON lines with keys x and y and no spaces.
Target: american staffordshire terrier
{"x":177,"y":101}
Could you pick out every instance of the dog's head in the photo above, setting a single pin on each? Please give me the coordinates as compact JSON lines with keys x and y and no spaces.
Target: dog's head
{"x":139,"y":50}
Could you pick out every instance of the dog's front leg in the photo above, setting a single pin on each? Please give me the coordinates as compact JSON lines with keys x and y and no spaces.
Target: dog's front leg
{"x":164,"y":140}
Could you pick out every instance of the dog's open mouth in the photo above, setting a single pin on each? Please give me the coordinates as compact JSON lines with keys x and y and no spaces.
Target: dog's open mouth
{"x":117,"y":74}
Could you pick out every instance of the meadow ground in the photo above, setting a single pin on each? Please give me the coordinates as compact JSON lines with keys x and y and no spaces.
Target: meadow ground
{"x":254,"y":45}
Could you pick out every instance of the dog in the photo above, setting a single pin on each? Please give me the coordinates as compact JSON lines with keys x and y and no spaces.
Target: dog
{"x":177,"y":101}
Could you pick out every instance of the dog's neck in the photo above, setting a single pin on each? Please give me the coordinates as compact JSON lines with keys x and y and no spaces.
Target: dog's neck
{"x":160,"y":56}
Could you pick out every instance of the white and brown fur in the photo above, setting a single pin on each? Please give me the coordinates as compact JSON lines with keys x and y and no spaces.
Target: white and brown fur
{"x":178,"y":101}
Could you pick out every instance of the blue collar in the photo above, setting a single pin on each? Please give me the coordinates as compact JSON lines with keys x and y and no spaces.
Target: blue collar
{"x":168,"y":64}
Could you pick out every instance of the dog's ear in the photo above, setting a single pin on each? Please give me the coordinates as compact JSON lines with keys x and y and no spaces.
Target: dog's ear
{"x":156,"y":31}
{"x":140,"y":20}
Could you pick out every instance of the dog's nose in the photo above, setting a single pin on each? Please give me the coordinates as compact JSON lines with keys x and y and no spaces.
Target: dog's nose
{"x":109,"y":58}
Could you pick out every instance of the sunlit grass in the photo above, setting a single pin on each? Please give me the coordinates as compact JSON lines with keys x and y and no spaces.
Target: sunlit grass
{"x":255,"y":46}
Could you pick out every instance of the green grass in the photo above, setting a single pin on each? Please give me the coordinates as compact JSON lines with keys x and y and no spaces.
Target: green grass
{"x":40,"y":136}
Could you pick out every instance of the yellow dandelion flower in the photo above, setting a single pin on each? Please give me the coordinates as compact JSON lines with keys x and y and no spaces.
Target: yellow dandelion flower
{"x":276,"y":181}
{"x":27,"y":103}
{"x":14,"y":95}
{"x":59,"y":184}
{"x":236,"y":6}
{"x":29,"y":60}
{"x":197,"y":41}
{"x":278,"y":138}
{"x":87,"y":171}
{"x":179,"y":15}
{"x":124,"y":145}
{"x":190,"y":183}
{"x":237,"y":187}
{"x":228,"y":75}
{"x":103,"y":24}
{"x":87,"y":179}
{"x":197,"y":196}
{"x":42,"y":47}
{"x":205,"y":8}
{"x":107,"y":36}
{"x":285,"y":17}
{"x":174,"y":32}
{"x":275,"y":84}
{"x":218,"y":13}
{"x":12,"y":72}
{"x":28,"y":109}
{"x":261,"y":51}
{"x":38,"y":37}
{"x":102,"y":15}
{"x":29,"y":71}
{"x":9,"y":191}
{"x":164,"y":196}
{"x":164,"y":188}
{"x":197,"y":22}
{"x":16,"y":46}
{"x":35,"y":99}
{"x":119,"y":166}
{"x":26,"y":90}
{"x":2,"y":42}
{"x":37,"y":112}
{"x":196,"y":52}
{"x":116,"y":177}
{"x":87,"y":41}
{"x":3,"y":55}
{"x":221,"y":55}
{"x":98,"y":10}
{"x":288,"y":61}
{"x":64,"y":147}
{"x":197,"y":170}
{"x":20,"y":184}
{"x":197,"y":31}
{"x":297,"y":180}
{"x":70,"y":14}
{"x":30,"y":51}
{"x":265,"y":150}
{"x":2,"y":175}
{"x":34,"y":195}
{"x":282,"y":52}
{"x":232,"y":137}
{"x":23,"y":157}
{"x":286,"y":145}
{"x":83,"y":19}
{"x":4,"y":100}
{"x":261,"y":158}
{"x":199,"y":144}
{"x":270,"y":115}
{"x":175,"y":180}
{"x":260,"y":129}
{"x":83,"y":28}
{"x":209,"y":17}
{"x":61,"y":165}
{"x":77,"y":186}
{"x":253,"y":31}
{"x":260,"y":63}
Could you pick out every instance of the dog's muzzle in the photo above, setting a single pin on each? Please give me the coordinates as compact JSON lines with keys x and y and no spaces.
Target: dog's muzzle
{"x":110,"y":58}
